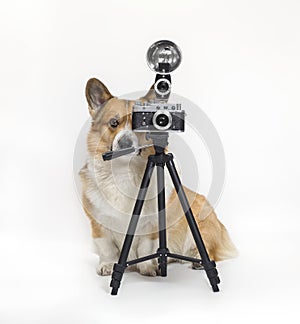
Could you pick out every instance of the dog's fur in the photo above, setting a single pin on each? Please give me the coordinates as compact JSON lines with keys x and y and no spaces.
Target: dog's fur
{"x":110,"y":189}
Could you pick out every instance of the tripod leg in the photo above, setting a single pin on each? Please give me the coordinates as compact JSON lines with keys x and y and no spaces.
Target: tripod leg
{"x":120,"y":267}
{"x":162,"y":250}
{"x":209,"y":266}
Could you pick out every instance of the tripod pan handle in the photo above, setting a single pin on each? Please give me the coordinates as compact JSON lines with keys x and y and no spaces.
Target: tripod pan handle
{"x":115,"y":154}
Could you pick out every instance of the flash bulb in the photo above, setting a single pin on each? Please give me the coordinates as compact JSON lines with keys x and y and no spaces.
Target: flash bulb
{"x":163,"y":53}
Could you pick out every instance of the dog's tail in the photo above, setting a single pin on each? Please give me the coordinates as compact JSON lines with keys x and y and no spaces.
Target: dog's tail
{"x":224,"y":249}
{"x":216,"y":238}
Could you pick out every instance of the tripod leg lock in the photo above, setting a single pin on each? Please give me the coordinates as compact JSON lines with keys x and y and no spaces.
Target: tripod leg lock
{"x":163,"y":254}
{"x":117,"y":275}
{"x":162,"y":261}
{"x":212,"y":274}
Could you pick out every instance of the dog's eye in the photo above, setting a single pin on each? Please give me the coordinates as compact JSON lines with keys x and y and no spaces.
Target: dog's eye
{"x":114,"y":122}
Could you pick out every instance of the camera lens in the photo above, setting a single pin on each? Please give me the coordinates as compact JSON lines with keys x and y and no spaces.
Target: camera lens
{"x":162,"y":120}
{"x":163,"y":86}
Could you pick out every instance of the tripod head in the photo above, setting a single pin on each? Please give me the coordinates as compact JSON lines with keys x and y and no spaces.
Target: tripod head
{"x":160,"y":141}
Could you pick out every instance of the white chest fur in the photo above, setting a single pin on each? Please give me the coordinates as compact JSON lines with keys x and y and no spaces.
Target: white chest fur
{"x":113,"y":188}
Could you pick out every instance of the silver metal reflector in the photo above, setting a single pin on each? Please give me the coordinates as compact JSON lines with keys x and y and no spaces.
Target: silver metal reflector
{"x":163,"y":51}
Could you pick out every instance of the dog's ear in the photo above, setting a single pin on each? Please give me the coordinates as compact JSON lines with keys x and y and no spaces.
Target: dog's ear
{"x":96,"y":94}
{"x":150,"y":95}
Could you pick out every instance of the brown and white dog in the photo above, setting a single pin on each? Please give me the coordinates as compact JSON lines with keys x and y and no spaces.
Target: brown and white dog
{"x":110,"y":189}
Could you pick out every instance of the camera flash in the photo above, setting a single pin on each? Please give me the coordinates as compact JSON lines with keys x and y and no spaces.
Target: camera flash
{"x":163,"y":51}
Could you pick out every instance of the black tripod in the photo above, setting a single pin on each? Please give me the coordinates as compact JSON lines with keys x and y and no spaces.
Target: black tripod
{"x":160,"y":159}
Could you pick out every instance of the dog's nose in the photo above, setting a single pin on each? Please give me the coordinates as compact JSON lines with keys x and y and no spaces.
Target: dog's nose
{"x":125,"y":142}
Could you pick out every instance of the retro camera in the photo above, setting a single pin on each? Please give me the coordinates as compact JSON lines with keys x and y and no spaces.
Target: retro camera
{"x":158,"y":115}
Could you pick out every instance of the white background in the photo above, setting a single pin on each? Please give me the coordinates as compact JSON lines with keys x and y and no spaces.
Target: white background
{"x":241,"y":65}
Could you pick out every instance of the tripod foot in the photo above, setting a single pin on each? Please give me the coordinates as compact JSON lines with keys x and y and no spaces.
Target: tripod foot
{"x":212,"y":274}
{"x":215,"y":288}
{"x":114,"y":291}
{"x":116,"y":278}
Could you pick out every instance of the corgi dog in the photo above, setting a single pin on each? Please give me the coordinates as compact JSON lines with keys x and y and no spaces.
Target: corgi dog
{"x":109,"y":191}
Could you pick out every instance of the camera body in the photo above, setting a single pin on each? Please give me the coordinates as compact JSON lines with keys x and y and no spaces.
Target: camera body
{"x":157,"y":117}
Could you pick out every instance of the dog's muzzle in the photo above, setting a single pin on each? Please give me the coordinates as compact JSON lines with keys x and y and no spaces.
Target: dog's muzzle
{"x":124,"y":139}
{"x":125,"y":142}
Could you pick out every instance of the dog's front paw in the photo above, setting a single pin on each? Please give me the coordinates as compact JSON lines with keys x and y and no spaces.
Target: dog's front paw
{"x":147,"y":269}
{"x":105,"y":268}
